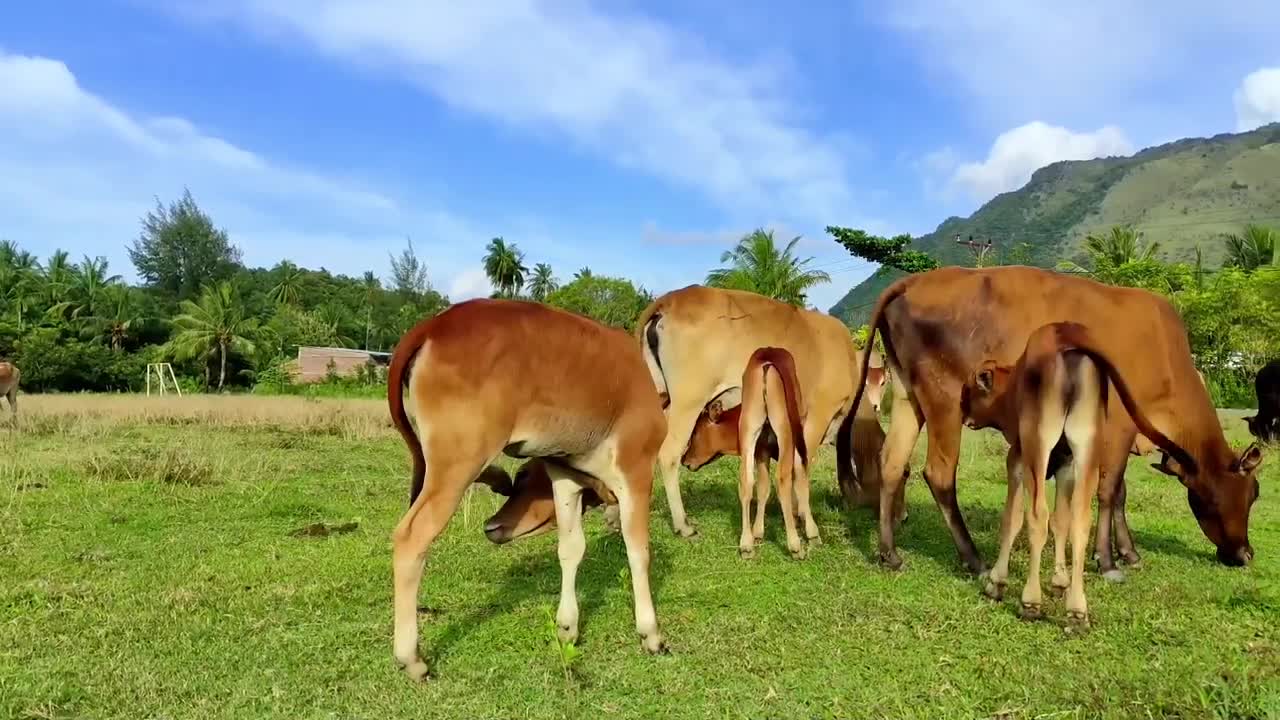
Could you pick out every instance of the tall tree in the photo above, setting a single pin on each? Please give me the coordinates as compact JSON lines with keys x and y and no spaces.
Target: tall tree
{"x":889,"y":252}
{"x":180,"y":249}
{"x":504,"y":264}
{"x":371,"y":287}
{"x":758,"y":266}
{"x":116,"y":317}
{"x":58,"y":275}
{"x":611,"y":300}
{"x":89,"y":283}
{"x":543,"y":283}
{"x":1252,"y":249}
{"x":215,"y":324}
{"x":289,"y":285}
{"x":409,"y":274}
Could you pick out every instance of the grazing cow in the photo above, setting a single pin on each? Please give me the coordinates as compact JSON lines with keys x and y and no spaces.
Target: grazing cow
{"x":9,"y":377}
{"x":1057,"y":391}
{"x":530,"y":507}
{"x":770,"y":421}
{"x":697,"y":341}
{"x":938,"y":327}
{"x":1266,"y":424}
{"x":504,"y":376}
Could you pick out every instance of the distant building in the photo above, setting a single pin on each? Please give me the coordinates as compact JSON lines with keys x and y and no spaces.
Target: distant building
{"x":312,"y":364}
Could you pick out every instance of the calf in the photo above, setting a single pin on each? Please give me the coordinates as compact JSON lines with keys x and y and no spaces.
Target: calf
{"x":877,"y":382}
{"x":9,"y":376}
{"x":1266,"y":424}
{"x":1056,"y":391}
{"x":770,"y":420}
{"x":504,"y":376}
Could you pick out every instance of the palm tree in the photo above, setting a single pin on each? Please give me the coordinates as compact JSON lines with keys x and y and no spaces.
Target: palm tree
{"x":89,"y":282}
{"x":285,"y":292}
{"x":543,"y":283}
{"x":1121,"y":245}
{"x":216,"y":323}
{"x":504,"y":264}
{"x":58,"y":273}
{"x":371,"y":287}
{"x":120,"y":315}
{"x":583,"y":272}
{"x":1254,"y":248}
{"x":757,"y":266}
{"x":20,"y":291}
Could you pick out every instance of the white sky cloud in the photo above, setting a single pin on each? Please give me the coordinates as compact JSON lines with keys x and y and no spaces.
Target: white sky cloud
{"x":1019,"y":152}
{"x":471,"y":283}
{"x":1257,"y":99}
{"x":635,"y":91}
{"x":78,"y":172}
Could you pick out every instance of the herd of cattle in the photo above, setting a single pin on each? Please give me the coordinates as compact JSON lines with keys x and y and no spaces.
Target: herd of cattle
{"x":1043,"y":357}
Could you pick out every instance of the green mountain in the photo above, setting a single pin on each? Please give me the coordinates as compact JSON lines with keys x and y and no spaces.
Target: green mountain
{"x":1183,"y":194}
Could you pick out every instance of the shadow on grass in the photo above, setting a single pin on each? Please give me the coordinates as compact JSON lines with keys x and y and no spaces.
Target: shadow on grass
{"x":603,"y":573}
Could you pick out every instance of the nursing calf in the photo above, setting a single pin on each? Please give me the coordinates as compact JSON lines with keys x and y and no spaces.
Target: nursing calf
{"x":499,"y":376}
{"x":769,"y":421}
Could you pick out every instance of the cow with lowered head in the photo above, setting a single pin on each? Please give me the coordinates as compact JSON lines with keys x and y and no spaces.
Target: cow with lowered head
{"x":1266,"y":424}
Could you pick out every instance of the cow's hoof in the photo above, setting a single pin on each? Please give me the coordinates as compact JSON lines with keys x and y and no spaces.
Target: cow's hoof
{"x":1057,"y":590}
{"x":799,"y":553}
{"x":890,"y":559}
{"x":1132,"y":559}
{"x":654,"y":644}
{"x":1031,"y":611}
{"x":1114,"y":575}
{"x":688,"y":532}
{"x":568,"y":635}
{"x":417,"y":671}
{"x":747,"y":553}
{"x":1077,"y":622}
{"x":993,"y":590}
{"x":815,"y":540}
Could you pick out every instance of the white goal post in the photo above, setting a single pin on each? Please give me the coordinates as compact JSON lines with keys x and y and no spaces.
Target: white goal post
{"x":159,"y":369}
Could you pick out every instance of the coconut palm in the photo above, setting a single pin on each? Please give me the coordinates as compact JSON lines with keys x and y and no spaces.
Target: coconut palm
{"x":216,"y":323}
{"x":504,"y":264}
{"x":583,"y":272}
{"x":1119,"y":246}
{"x":756,"y":265}
{"x":543,"y":283}
{"x":285,"y":292}
{"x":89,"y":283}
{"x":58,"y":274}
{"x":1253,"y":248}
{"x":117,"y":317}
{"x":19,"y":291}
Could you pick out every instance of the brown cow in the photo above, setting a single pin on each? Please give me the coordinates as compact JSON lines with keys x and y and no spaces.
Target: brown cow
{"x":504,"y":376}
{"x":1142,"y":445}
{"x":9,"y":377}
{"x":697,"y":341}
{"x":877,"y":382}
{"x":938,"y":327}
{"x":530,"y":507}
{"x":770,"y":420}
{"x":1057,"y":391}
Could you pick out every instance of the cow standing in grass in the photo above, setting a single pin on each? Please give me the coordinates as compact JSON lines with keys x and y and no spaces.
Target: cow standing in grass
{"x":1266,"y":424}
{"x":9,"y":377}
{"x":488,"y":377}
{"x":938,"y":327}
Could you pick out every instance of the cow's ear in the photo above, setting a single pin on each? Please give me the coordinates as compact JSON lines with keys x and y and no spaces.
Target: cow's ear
{"x":497,"y":479}
{"x":1170,"y":467}
{"x":1249,"y":460}
{"x":714,"y":410}
{"x":985,"y":379}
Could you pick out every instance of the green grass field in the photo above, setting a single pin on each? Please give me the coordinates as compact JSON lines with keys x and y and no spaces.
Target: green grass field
{"x":151,"y":566}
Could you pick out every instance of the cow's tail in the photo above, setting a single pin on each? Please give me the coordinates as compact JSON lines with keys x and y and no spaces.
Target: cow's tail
{"x":397,"y":379}
{"x":1074,"y":336}
{"x":844,"y":438}
{"x":647,"y":334}
{"x":785,"y":365}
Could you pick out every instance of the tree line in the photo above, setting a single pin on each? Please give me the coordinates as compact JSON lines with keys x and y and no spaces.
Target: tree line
{"x":74,"y":325}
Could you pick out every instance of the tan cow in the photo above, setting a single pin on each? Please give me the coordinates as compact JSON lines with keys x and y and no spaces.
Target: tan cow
{"x":877,"y":383}
{"x":939,"y":326}
{"x":1056,"y":391}
{"x":501,"y":376}
{"x":697,"y":341}
{"x":9,"y":377}
{"x":769,"y":421}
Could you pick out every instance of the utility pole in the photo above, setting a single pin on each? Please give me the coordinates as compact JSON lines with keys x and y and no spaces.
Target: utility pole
{"x":979,"y":249}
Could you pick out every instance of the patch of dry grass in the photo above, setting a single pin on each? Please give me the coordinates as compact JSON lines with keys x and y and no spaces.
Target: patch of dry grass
{"x":90,"y":415}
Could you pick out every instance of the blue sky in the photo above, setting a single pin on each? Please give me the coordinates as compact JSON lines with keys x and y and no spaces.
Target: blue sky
{"x":639,"y":138}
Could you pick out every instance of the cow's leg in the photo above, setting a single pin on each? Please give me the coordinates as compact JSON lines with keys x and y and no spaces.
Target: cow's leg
{"x":680,"y":421}
{"x":572,"y":546}
{"x":811,"y":532}
{"x":1115,"y":456}
{"x":762,"y":493}
{"x":449,"y":473}
{"x":1010,"y":525}
{"x":904,"y":429}
{"x":13,"y":402}
{"x":1037,"y":528}
{"x":1125,"y":547}
{"x":1064,"y":481}
{"x":940,"y":472}
{"x":1081,"y":511}
{"x":746,"y":483}
{"x":633,"y":502}
{"x":786,"y":497}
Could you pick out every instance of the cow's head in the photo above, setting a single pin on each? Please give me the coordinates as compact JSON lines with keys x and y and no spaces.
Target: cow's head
{"x":714,"y":434}
{"x":1265,"y":429}
{"x":1221,"y":501}
{"x":982,"y":397}
{"x":877,"y":381}
{"x":530,"y":508}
